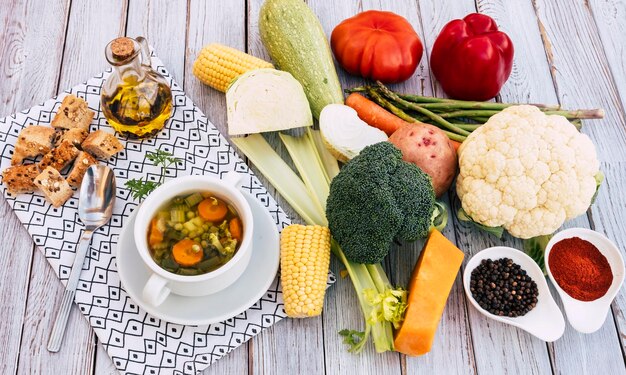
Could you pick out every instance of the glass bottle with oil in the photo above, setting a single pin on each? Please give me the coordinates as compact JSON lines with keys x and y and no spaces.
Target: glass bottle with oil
{"x":135,"y":99}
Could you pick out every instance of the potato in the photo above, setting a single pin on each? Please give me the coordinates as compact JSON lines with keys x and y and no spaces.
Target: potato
{"x":430,"y":149}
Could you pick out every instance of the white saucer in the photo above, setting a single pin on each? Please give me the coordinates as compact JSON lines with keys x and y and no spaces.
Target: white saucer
{"x":217,"y":307}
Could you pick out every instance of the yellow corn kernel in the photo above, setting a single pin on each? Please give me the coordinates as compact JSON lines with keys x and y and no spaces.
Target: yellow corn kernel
{"x":218,"y":65}
{"x":304,"y":262}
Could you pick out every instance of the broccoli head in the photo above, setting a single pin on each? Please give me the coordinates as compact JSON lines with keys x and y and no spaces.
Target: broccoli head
{"x":376,"y":198}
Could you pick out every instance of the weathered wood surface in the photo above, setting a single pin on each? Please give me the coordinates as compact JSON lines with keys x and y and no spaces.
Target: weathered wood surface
{"x":20,"y":38}
{"x":45,"y":290}
{"x":572,"y":53}
{"x":531,"y":82}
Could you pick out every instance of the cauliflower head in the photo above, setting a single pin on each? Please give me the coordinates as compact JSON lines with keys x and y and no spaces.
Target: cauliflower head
{"x":527,"y":172}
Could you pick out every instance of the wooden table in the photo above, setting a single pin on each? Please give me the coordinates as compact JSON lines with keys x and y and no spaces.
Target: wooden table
{"x":569,"y":52}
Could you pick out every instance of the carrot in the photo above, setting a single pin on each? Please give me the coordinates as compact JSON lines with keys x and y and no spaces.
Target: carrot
{"x":374,"y":115}
{"x":155,"y":235}
{"x":212,"y":209}
{"x":456,"y":145}
{"x":235,"y":229}
{"x":187,"y":253}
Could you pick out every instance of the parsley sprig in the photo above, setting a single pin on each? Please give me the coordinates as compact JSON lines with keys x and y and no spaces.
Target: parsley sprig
{"x":140,"y":188}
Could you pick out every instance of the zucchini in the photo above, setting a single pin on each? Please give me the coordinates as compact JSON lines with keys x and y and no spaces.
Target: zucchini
{"x":295,"y":41}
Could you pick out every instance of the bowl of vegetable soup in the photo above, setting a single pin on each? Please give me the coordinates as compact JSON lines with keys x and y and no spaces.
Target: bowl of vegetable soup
{"x":194,"y":234}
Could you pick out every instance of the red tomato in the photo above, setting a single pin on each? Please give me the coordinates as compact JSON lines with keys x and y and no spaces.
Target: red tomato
{"x":378,"y":45}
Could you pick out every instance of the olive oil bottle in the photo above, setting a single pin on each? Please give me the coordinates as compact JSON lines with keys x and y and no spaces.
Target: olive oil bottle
{"x":135,"y":99}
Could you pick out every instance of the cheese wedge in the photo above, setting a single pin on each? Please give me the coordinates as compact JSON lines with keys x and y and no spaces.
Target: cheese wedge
{"x":430,"y":285}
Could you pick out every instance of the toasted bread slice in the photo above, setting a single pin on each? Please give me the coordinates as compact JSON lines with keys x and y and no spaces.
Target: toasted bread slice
{"x":73,"y":113}
{"x":102,"y":145}
{"x":20,"y":178}
{"x":59,"y":157}
{"x":53,"y":186}
{"x":75,"y":136}
{"x":33,"y":140}
{"x":81,"y":164}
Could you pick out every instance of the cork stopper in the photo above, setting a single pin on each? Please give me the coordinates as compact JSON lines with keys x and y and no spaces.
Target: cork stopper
{"x":122,"y":48}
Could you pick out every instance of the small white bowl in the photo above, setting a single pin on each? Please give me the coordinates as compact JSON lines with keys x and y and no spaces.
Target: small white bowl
{"x":163,"y":282}
{"x":588,"y":317}
{"x":545,"y":320}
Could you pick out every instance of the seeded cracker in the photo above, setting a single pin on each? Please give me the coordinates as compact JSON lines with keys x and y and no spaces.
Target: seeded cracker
{"x":20,"y":178}
{"x":73,"y":113}
{"x":81,"y":164}
{"x":59,"y":157}
{"x":53,"y":186}
{"x":33,"y":140}
{"x":102,"y":145}
{"x":74,"y":136}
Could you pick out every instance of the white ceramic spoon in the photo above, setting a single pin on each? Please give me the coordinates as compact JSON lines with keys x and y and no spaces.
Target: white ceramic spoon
{"x":545,"y":320}
{"x":588,"y":317}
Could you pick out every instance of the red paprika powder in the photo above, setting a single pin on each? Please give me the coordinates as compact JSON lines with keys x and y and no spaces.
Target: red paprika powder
{"x":580,"y":269}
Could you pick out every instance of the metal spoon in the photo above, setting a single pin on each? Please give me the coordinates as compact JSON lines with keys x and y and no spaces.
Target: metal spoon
{"x":95,"y":206}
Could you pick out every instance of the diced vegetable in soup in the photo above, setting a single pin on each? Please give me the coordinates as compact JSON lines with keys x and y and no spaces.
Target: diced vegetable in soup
{"x":194,"y":233}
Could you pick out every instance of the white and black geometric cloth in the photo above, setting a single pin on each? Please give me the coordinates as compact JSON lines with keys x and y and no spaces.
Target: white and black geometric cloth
{"x":137,"y":342}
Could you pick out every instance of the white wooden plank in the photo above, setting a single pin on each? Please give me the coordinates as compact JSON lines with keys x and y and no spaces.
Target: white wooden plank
{"x":608,"y":217}
{"x":267,"y":349}
{"x":223,"y":22}
{"x":434,"y":15}
{"x":103,"y":364}
{"x":531,"y":82}
{"x":83,"y":57}
{"x":255,"y":47}
{"x":495,"y":344}
{"x":581,"y":71}
{"x":31,"y":47}
{"x":454,"y":330}
{"x":164,"y":25}
{"x":610,"y":17}
{"x":146,"y":18}
{"x":29,"y":67}
{"x":583,"y":79}
{"x":342,"y":310}
{"x":15,"y":269}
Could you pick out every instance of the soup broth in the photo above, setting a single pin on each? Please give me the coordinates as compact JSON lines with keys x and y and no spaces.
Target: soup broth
{"x":195,"y":233}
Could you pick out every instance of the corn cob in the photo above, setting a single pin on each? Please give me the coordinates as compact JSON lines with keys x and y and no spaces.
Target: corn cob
{"x":218,"y":65}
{"x":304,"y":262}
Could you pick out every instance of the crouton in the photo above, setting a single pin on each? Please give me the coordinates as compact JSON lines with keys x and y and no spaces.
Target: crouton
{"x":75,"y":136}
{"x":20,"y":178}
{"x":73,"y":113}
{"x":33,"y":140}
{"x":81,"y":164}
{"x":59,"y":157}
{"x":102,"y":145}
{"x":53,"y":186}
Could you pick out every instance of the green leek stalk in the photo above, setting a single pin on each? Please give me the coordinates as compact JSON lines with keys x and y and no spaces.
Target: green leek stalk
{"x":318,"y":169}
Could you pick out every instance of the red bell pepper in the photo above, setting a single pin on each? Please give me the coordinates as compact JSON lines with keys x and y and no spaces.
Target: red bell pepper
{"x":471,"y":59}
{"x":377,"y":45}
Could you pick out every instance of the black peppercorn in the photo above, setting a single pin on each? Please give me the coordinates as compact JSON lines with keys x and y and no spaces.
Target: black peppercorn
{"x":503,"y":288}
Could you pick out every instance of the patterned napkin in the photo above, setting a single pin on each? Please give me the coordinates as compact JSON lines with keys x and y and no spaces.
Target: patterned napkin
{"x":137,"y":342}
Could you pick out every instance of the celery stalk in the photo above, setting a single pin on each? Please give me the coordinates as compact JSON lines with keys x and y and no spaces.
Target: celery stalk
{"x":362,"y":280}
{"x":331,"y":166}
{"x":307,"y":161}
{"x":280,"y":175}
{"x":364,"y":277}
